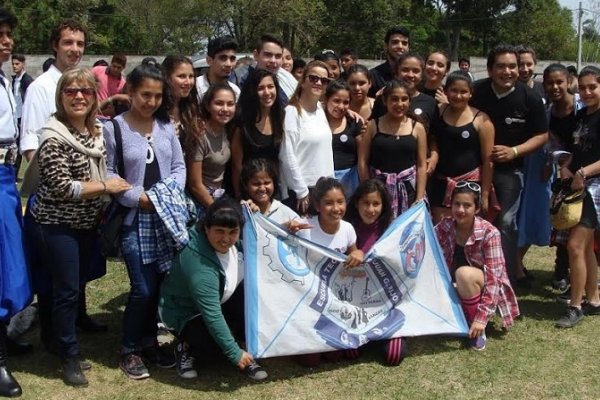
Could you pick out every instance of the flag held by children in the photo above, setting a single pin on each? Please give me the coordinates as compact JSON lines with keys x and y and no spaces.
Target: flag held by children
{"x":300,"y":297}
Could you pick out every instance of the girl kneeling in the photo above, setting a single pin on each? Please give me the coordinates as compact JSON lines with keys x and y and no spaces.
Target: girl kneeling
{"x":473,"y":253}
{"x":201,"y":297}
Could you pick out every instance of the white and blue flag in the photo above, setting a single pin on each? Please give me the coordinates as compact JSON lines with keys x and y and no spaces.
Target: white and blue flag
{"x":300,"y":297}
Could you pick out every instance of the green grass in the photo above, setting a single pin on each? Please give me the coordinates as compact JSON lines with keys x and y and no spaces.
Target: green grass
{"x":532,"y":361}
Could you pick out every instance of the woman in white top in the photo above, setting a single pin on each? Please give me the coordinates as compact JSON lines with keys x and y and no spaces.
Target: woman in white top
{"x":306,"y":153}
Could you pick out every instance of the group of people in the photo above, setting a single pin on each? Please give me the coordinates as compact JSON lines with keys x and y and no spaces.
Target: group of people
{"x":329,"y":149}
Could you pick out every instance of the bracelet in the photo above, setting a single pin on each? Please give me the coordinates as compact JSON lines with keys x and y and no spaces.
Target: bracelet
{"x":515,"y":151}
{"x":104,"y":186}
{"x":581,"y":173}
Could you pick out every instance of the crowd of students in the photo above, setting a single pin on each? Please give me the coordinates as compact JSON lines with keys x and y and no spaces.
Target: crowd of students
{"x":346,"y":147}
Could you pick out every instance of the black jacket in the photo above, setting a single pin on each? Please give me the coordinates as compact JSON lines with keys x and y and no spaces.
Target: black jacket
{"x":26,"y":80}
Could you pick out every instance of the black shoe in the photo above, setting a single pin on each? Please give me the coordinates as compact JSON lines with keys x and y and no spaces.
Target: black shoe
{"x":159,"y":356}
{"x":72,"y":374}
{"x":590,"y":309}
{"x":15,"y":348}
{"x":256,"y":372}
{"x":573,"y":316}
{"x":9,"y":387}
{"x":87,"y":324}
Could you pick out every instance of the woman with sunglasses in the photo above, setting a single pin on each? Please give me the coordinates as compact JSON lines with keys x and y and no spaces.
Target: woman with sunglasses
{"x":72,"y":186}
{"x":306,"y":153}
{"x":473,"y":253}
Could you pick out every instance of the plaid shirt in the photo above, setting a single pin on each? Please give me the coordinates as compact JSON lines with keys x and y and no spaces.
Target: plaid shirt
{"x":165,"y":232}
{"x":483,"y":249}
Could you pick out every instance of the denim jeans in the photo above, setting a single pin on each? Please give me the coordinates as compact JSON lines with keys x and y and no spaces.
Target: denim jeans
{"x":66,"y":254}
{"x":140,"y":317}
{"x":508,"y":185}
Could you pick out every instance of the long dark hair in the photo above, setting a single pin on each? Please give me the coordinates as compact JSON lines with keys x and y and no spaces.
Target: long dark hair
{"x":189,"y":107}
{"x":250,"y":107}
{"x":365,"y":188}
{"x":137,"y":76}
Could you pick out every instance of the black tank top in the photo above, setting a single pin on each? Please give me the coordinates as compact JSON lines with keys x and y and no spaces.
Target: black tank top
{"x":458,"y":146}
{"x":344,"y":145}
{"x":258,"y":145}
{"x":393,"y":153}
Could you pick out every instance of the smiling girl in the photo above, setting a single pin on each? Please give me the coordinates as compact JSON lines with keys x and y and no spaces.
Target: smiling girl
{"x":261,"y":131}
{"x":306,"y":153}
{"x":394,"y":149}
{"x":208,"y":157}
{"x":359,"y":82}
{"x":346,"y":135}
{"x":437,"y":66}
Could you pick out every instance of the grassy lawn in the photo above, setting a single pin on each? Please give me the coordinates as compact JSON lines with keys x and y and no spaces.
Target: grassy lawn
{"x":533,"y":361}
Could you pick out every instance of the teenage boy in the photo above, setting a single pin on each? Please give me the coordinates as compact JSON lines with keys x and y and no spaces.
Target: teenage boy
{"x":20,"y":82}
{"x":519,"y":118}
{"x":396,"y":43}
{"x":220,"y":57}
{"x":111,"y":82}
{"x":348,"y":58}
{"x":527,"y":63}
{"x":464,"y":65}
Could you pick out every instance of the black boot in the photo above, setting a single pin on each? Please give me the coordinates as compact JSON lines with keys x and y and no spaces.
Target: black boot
{"x":9,"y":387}
{"x":72,"y":374}
{"x":84,"y":321}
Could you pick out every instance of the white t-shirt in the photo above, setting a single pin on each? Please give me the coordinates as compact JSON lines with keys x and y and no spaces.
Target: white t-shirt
{"x":280,"y":213}
{"x":8,"y":113}
{"x":306,"y":153}
{"x":340,"y":241}
{"x":233,"y":266}
{"x":202,"y":86}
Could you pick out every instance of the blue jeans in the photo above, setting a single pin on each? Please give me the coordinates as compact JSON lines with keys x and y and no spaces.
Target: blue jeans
{"x":140,"y":317}
{"x":508,"y":185}
{"x":66,"y":254}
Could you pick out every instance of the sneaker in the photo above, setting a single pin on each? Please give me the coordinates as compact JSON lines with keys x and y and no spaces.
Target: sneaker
{"x":256,"y":372}
{"x":562,"y":285}
{"x":72,"y":374}
{"x":395,"y":351}
{"x":564,"y":298}
{"x":184,"y":362}
{"x":589,"y":309}
{"x":571,"y":318}
{"x":133,"y":366}
{"x":478,"y":343}
{"x":158,"y":356}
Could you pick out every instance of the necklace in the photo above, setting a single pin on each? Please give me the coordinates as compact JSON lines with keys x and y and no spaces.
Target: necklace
{"x":150,"y":152}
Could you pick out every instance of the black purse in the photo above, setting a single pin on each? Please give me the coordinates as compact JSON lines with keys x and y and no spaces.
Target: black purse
{"x":113,"y":215}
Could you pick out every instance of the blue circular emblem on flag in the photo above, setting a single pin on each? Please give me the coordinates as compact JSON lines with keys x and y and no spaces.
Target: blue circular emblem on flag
{"x":412,"y":248}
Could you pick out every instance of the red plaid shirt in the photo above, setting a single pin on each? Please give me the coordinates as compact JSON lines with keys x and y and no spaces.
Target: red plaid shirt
{"x":483,"y":249}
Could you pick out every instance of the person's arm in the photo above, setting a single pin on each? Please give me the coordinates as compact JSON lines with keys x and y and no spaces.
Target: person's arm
{"x":35,"y":113}
{"x":178,"y":170}
{"x":355,"y":256}
{"x":493,"y":269}
{"x":505,"y":153}
{"x":203,"y":285}
{"x":289,"y":162}
{"x":421,"y":161}
{"x":196,"y":185}
{"x":237,"y":157}
{"x":485,"y":130}
{"x":364,"y":151}
{"x":93,"y":189}
{"x":580,"y":175}
{"x":131,"y":197}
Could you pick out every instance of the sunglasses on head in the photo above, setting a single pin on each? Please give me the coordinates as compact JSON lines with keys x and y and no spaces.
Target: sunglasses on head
{"x":471,"y":185}
{"x":314,"y":79}
{"x":72,"y":92}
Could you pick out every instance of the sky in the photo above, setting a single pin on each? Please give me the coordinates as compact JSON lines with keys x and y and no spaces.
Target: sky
{"x":574,"y":4}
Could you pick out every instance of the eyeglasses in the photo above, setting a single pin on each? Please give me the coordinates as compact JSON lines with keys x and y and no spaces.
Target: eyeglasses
{"x":471,"y":185}
{"x":314,"y":79}
{"x":72,"y":92}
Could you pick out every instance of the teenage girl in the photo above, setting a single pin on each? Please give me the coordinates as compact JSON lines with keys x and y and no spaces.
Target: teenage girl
{"x":464,"y":136}
{"x":328,"y":229}
{"x":584,"y":170}
{"x":370,"y":212}
{"x":259,"y":180}
{"x":183,"y":106}
{"x":261,"y":129}
{"x":561,"y":124}
{"x":473,"y":253}
{"x":346,"y":134}
{"x":207,"y":157}
{"x":359,"y":81}
{"x":394,"y":149}
{"x":333,"y":63}
{"x":437,"y":66}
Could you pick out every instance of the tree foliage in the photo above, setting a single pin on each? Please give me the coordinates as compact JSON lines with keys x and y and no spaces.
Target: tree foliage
{"x":460,"y":27}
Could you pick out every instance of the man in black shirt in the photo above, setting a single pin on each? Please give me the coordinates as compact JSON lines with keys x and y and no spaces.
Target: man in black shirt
{"x":397,"y":43}
{"x":521,"y":128}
